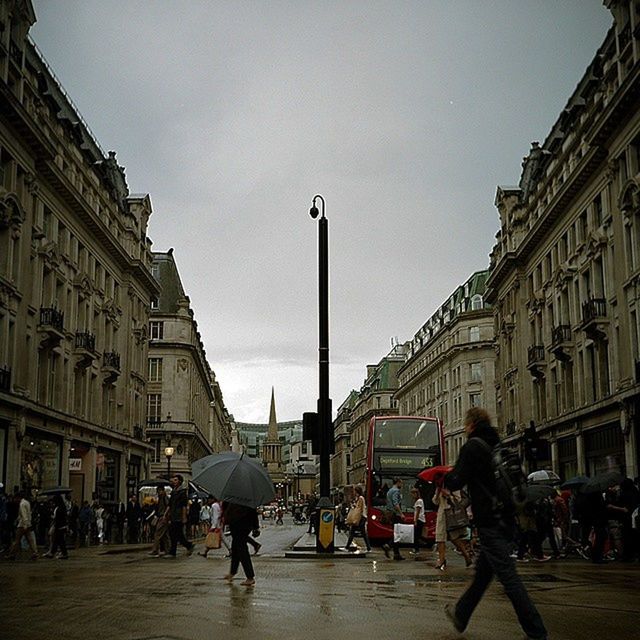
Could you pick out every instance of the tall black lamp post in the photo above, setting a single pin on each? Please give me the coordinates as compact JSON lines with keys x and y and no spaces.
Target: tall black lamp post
{"x":326,"y":519}
{"x":324,"y":402}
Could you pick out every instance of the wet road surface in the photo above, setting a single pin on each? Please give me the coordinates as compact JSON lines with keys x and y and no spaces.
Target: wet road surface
{"x":130,"y":595}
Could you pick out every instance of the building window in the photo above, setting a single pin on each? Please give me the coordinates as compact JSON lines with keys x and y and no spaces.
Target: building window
{"x":474,"y":400}
{"x":476,"y":302}
{"x":155,"y":303}
{"x":156,"y":330}
{"x":154,"y":407}
{"x":474,"y":334}
{"x":155,"y":369}
{"x":475,"y":371}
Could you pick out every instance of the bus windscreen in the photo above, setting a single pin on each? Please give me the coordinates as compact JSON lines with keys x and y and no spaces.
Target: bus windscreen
{"x":406,"y":434}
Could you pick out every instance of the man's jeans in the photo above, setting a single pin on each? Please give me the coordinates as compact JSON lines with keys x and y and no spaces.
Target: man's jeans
{"x":494,"y":559}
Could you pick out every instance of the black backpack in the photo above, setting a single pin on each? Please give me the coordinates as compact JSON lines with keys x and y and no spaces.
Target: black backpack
{"x":511,"y":482}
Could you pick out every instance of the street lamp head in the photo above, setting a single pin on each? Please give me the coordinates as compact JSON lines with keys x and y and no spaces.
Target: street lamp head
{"x":168,"y":451}
{"x":314,"y":212}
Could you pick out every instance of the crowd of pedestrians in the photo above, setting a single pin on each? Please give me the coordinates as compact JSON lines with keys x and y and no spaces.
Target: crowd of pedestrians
{"x":57,"y":524}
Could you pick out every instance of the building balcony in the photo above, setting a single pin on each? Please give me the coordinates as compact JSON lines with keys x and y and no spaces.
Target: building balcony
{"x":594,"y":318}
{"x":110,"y":366}
{"x":51,"y":327}
{"x":536,"y":362}
{"x":5,"y":379}
{"x":562,"y":342}
{"x":85,"y":348}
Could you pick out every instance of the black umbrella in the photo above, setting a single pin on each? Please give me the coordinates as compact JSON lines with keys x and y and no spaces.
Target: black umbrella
{"x":54,"y":491}
{"x":534,"y":492}
{"x":235,"y":478}
{"x":602,"y":482}
{"x":575,"y":483}
{"x":197,"y":492}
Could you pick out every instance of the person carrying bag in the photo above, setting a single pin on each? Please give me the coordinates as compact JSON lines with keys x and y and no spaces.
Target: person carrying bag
{"x":456,"y":517}
{"x":213,"y":539}
{"x":357,"y":519}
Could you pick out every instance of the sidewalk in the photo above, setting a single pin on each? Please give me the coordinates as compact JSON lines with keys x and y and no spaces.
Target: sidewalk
{"x":305,"y":548}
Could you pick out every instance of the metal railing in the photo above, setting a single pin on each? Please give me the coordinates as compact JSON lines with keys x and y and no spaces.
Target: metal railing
{"x":535,"y":353}
{"x":85,"y":340}
{"x":594,"y":308}
{"x":111,"y":359}
{"x":560,"y":334}
{"x":51,"y":317}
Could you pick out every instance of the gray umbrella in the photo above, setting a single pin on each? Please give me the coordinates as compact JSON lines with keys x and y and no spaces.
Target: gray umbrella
{"x":235,"y":478}
{"x":55,"y":490}
{"x":543,"y":476}
{"x":602,"y":482}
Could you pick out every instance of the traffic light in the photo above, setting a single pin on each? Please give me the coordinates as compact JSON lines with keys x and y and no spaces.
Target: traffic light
{"x":311,"y":430}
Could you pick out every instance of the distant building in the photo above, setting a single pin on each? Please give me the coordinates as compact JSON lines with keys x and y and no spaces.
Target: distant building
{"x":341,"y":459}
{"x":296,"y":472}
{"x":185,"y":407}
{"x":375,"y":398}
{"x":450,"y":363}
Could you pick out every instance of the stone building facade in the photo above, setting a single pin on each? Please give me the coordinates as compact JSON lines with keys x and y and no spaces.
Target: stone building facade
{"x":185,"y":407}
{"x":375,"y":398}
{"x":75,"y":289}
{"x":450,"y":363}
{"x":565,"y":273}
{"x":341,"y":459}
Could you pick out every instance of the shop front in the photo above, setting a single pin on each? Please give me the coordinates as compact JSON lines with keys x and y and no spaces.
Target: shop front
{"x":107,"y":489}
{"x":567,"y":457}
{"x":604,"y":450}
{"x":134,"y":470}
{"x":40,"y":461}
{"x":79,"y":470}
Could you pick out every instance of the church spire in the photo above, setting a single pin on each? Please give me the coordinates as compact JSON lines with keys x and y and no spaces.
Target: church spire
{"x":272,"y":433}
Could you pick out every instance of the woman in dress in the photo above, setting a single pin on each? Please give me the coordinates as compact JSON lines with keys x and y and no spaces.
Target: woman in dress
{"x":444,"y":500}
{"x":357,"y":519}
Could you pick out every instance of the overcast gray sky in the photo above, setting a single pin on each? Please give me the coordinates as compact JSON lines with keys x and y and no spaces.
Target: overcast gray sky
{"x":404,"y":115}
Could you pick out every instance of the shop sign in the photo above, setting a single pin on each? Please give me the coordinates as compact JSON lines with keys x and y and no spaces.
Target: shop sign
{"x":75,"y":464}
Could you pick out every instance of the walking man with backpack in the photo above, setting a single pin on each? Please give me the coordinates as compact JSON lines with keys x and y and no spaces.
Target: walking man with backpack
{"x":482,"y":467}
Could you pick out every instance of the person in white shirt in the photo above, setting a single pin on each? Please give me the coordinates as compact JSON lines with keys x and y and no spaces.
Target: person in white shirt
{"x":419,"y":520}
{"x":215,"y":522}
{"x":23,"y":529}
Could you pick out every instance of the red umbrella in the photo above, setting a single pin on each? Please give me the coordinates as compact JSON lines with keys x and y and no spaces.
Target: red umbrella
{"x":434,"y":474}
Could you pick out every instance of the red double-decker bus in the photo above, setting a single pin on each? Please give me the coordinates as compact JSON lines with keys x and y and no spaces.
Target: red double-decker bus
{"x":400,"y":447}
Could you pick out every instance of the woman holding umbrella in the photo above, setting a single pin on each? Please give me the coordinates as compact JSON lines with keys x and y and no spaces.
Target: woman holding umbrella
{"x":241,"y":521}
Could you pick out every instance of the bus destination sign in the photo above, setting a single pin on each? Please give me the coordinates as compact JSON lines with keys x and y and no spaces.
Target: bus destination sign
{"x":406,"y":461}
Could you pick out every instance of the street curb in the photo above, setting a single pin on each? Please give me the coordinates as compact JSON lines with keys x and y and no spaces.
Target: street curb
{"x":314,"y":555}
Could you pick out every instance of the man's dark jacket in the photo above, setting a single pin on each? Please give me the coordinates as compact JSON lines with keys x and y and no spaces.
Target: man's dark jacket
{"x":474,"y":469}
{"x":178,"y":500}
